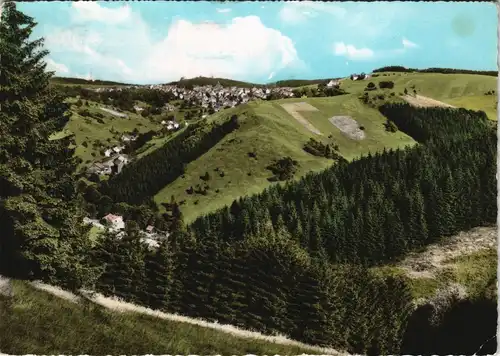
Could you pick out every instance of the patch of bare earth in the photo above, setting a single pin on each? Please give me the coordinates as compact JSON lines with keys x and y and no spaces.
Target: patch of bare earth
{"x":294,"y":110}
{"x":425,"y":102}
{"x":348,"y":126}
{"x":426,"y":264}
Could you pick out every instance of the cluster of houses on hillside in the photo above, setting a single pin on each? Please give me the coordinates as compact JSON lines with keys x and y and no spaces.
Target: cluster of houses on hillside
{"x":116,"y":159}
{"x":218,"y":97}
{"x":361,"y":76}
{"x":107,"y":167}
{"x":215,"y":97}
{"x":115,"y":223}
{"x":171,"y":125}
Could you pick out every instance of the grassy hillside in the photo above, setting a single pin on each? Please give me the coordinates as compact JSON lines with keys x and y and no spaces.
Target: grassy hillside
{"x":298,"y":82}
{"x":89,"y":129}
{"x":461,"y":90}
{"x":269,"y":132}
{"x":36,"y":322}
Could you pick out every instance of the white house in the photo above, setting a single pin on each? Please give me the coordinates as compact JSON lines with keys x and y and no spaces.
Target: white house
{"x":116,"y":221}
{"x":332,"y":83}
{"x":118,"y":149}
{"x":107,"y":153}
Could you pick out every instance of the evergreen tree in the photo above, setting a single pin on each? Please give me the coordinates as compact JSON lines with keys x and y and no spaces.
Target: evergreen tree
{"x":42,"y":232}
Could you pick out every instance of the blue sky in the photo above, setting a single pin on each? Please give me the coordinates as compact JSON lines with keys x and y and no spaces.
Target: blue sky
{"x":157,"y":42}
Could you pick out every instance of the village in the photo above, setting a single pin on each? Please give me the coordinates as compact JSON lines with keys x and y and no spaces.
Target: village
{"x":214,"y":97}
{"x":115,"y":223}
{"x":209,"y":98}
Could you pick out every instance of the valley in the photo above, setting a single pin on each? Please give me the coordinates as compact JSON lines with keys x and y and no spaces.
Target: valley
{"x":159,"y":195}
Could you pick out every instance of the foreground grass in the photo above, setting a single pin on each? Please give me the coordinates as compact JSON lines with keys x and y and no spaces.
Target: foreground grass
{"x":461,"y":90}
{"x":36,"y":322}
{"x":269,"y":132}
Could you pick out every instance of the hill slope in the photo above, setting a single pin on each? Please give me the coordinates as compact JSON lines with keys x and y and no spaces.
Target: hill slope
{"x":268,"y":132}
{"x":461,"y":90}
{"x":38,"y":322}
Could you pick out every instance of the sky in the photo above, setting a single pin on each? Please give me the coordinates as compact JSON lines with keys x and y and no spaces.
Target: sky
{"x":260,"y":42}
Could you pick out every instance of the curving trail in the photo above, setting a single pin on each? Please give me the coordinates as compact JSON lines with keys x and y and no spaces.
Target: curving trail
{"x":114,"y":303}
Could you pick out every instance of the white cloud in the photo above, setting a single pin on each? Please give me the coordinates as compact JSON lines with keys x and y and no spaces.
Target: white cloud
{"x":351,"y":52}
{"x":408,"y":44}
{"x":59,"y":68}
{"x":222,"y":11}
{"x":234,"y":50}
{"x":87,"y":46}
{"x":241,"y":47}
{"x":92,"y":11}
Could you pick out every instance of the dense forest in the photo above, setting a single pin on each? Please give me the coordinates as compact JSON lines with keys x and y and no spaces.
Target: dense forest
{"x":381,"y":206}
{"x":267,"y":284}
{"x":292,"y":259}
{"x":201,"y":81}
{"x":308,"y":243}
{"x":435,"y":70}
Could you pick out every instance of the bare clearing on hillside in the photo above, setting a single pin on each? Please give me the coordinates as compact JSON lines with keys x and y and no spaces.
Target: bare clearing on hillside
{"x":294,"y":110}
{"x":113,"y":112}
{"x":426,"y":264}
{"x":425,"y":102}
{"x":348,"y":126}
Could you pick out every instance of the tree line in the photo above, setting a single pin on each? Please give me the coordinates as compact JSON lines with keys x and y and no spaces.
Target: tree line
{"x":384,"y":205}
{"x":266,"y":283}
{"x":293,"y":259}
{"x":435,"y":70}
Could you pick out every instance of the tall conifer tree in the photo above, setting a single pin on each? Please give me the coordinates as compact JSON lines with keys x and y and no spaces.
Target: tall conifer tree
{"x":42,"y":235}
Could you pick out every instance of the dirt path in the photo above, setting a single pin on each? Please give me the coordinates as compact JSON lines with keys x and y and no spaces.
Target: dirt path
{"x":121,"y":306}
{"x":433,"y":259}
{"x":294,"y":110}
{"x":425,"y":102}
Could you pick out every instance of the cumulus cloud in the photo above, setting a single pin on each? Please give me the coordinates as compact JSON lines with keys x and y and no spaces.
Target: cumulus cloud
{"x":59,"y":68}
{"x":243,"y":46}
{"x":223,"y":11}
{"x":236,"y":49}
{"x":73,"y":40}
{"x":92,"y":11}
{"x":408,"y":44}
{"x":351,"y":52}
